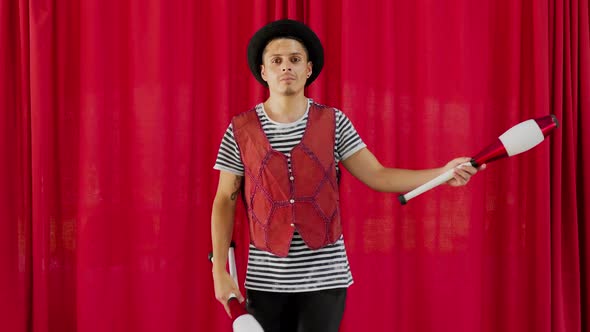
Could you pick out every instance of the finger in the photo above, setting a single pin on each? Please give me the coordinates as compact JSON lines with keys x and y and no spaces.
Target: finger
{"x":238,"y":295}
{"x":227,"y":309}
{"x":469,"y":169}
{"x":461,"y":176}
{"x":461,"y":161}
{"x":461,"y":171}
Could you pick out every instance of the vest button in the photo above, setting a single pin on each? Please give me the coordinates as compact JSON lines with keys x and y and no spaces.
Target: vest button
{"x":291,"y":201}
{"x":292,"y":225}
{"x":291,"y":178}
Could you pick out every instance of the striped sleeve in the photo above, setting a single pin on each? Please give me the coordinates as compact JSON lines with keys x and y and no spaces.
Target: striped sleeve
{"x":228,"y":157}
{"x":348,"y":141}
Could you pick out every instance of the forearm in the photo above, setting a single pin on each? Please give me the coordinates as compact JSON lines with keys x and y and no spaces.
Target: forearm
{"x":365,"y":167}
{"x":222,"y":223}
{"x":401,"y":180}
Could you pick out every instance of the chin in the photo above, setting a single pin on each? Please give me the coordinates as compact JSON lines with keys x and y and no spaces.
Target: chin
{"x":289,"y":91}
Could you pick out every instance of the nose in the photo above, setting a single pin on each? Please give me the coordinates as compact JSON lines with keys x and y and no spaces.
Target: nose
{"x":286,"y":67}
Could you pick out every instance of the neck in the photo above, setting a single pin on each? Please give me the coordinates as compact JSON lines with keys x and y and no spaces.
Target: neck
{"x":285,"y":108}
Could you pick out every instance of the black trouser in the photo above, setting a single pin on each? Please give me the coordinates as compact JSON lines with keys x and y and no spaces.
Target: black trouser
{"x":298,"y":312}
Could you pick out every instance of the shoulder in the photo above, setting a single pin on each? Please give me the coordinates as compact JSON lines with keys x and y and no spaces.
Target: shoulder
{"x":326,"y":108}
{"x":245,"y":114}
{"x":322,"y":107}
{"x":241,"y":119}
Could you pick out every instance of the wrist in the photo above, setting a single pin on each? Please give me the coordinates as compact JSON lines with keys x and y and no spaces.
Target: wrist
{"x":218,"y":270}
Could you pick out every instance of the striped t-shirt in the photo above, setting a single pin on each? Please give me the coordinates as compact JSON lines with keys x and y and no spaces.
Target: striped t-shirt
{"x":303,"y":269}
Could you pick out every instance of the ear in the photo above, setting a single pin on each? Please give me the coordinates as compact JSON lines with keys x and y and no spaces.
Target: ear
{"x":309,"y":69}
{"x":262,"y":72}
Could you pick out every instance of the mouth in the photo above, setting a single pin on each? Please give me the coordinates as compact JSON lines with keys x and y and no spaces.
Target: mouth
{"x":287,"y":78}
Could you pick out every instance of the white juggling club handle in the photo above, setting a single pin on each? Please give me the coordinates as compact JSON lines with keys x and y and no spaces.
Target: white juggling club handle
{"x":518,"y":139}
{"x":242,"y":320}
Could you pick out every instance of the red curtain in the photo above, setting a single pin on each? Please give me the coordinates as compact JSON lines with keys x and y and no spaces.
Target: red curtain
{"x":112,"y":114}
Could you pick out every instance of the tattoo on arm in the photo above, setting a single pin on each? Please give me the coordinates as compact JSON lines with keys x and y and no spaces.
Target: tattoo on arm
{"x":237,"y":187}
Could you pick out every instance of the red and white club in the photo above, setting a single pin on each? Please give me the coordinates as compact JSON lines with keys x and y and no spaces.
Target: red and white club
{"x":242,"y":320}
{"x":518,"y":139}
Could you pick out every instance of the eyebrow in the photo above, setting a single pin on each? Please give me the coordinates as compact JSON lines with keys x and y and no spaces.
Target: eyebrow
{"x":278,"y":54}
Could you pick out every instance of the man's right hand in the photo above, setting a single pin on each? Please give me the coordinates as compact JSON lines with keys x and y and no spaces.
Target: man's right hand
{"x":224,"y":287}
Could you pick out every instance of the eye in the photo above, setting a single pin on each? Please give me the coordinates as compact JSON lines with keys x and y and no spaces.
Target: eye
{"x":275,"y":60}
{"x":295,"y":59}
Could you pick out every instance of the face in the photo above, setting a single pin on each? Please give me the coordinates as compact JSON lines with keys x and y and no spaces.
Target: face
{"x":285,"y":66}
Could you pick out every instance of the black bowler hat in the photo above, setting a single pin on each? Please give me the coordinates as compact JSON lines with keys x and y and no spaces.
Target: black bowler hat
{"x":285,"y":28}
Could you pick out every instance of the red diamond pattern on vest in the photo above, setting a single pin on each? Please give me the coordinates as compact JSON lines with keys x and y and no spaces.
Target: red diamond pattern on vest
{"x":281,"y":232}
{"x":278,"y":179}
{"x":326,"y":201}
{"x":308,"y":171}
{"x":261,"y":207}
{"x":279,"y":203}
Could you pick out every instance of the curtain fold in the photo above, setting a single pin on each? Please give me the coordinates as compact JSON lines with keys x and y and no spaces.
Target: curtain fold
{"x":15,"y":169}
{"x":569,"y":51}
{"x":112,"y":114}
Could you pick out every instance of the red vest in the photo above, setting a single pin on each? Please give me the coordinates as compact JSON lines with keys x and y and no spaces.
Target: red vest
{"x":280,"y":202}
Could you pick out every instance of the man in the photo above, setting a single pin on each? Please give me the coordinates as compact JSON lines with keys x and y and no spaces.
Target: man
{"x":284,"y":155}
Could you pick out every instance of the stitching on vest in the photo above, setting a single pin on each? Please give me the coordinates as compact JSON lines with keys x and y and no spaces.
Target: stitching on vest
{"x":321,"y":183}
{"x":256,"y":187}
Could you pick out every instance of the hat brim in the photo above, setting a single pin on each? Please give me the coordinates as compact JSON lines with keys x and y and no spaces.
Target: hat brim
{"x":285,"y":28}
